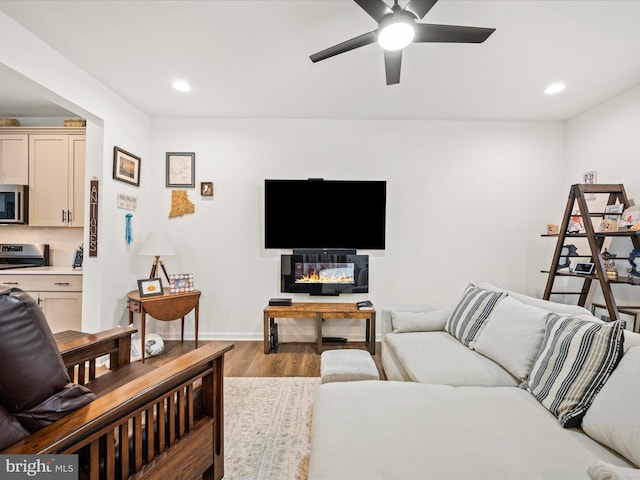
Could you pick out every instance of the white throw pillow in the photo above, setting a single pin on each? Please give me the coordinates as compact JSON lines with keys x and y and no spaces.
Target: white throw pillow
{"x":605,"y":471}
{"x":614,"y":416}
{"x":431,"y":321}
{"x":512,"y":336}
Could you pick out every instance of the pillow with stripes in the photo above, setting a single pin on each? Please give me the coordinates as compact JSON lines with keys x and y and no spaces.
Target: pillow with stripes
{"x":576,"y":358}
{"x":470,"y":314}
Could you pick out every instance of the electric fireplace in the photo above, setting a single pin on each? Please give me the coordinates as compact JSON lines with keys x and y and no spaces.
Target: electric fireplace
{"x":324,"y":273}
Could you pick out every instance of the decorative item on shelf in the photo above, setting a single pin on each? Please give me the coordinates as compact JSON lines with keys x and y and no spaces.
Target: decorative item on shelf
{"x":630,"y":216}
{"x":157,"y":245}
{"x":566,"y":252}
{"x":608,"y":225}
{"x":610,"y":265}
{"x":635,"y":227}
{"x":149,"y":287}
{"x":181,"y":283}
{"x":9,"y":122}
{"x":634,"y":260}
{"x":575,"y":223}
{"x":553,"y":229}
{"x":75,"y":123}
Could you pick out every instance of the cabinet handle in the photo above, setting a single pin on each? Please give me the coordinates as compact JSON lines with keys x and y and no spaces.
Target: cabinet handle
{"x":69,"y":215}
{"x":64,"y":218}
{"x":62,"y":284}
{"x":10,"y":283}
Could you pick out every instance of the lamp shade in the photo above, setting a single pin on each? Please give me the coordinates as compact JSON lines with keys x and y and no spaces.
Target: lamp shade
{"x":157,"y":244}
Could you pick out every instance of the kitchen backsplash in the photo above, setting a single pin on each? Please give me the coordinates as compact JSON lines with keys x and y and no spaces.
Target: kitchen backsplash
{"x":62,"y":241}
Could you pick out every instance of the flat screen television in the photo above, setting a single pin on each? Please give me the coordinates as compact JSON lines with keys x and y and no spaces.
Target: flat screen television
{"x":325,"y":214}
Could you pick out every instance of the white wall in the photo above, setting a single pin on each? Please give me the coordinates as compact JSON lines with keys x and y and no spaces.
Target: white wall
{"x":110,"y":121}
{"x":606,"y":139}
{"x":465,"y":201}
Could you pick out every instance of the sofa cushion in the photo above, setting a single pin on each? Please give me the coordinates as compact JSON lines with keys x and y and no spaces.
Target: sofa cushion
{"x":11,"y":430}
{"x":512,"y":336}
{"x":434,"y":320}
{"x":438,"y":358}
{"x":404,"y":430}
{"x":470,"y":314}
{"x":576,"y":358}
{"x":614,"y":416}
{"x":32,"y":367}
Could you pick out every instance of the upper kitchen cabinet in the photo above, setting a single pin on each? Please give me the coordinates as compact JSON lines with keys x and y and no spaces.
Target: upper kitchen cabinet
{"x":14,"y":159}
{"x":56,"y":180}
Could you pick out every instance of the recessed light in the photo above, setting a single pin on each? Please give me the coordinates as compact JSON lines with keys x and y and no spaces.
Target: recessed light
{"x":181,"y":86}
{"x":554,"y":88}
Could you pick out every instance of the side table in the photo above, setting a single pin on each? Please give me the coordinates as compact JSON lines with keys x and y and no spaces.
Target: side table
{"x":166,"y":307}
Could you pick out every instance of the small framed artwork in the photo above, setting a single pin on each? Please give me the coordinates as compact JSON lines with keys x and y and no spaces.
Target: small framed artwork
{"x":126,"y":167}
{"x":150,"y":287}
{"x":181,"y":283}
{"x":181,"y":169}
{"x":627,"y":313}
{"x":206,"y":189}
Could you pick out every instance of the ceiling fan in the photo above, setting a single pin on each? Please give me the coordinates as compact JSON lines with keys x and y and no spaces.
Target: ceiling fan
{"x":397,"y":28}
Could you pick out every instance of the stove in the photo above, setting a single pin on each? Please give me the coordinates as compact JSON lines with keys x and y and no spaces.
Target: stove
{"x":23,"y":255}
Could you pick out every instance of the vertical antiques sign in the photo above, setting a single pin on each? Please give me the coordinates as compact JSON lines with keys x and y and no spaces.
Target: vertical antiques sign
{"x":93,"y":218}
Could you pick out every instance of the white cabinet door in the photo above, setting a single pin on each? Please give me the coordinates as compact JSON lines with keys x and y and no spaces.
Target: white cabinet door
{"x":77,"y":149}
{"x":48,"y":180}
{"x":62,"y":309}
{"x":14,"y":159}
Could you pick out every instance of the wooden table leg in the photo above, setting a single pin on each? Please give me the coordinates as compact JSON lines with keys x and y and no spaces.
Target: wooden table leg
{"x":372,"y":336}
{"x":318,"y":332}
{"x":267,"y":349}
{"x":143,"y":321}
{"x":182,"y":332}
{"x":197,"y":315}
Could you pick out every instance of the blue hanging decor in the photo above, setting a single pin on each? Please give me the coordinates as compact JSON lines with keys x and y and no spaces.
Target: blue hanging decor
{"x":127,"y":233}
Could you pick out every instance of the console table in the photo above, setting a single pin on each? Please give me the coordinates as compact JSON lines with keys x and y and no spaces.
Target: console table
{"x":321,"y":311}
{"x":166,"y":307}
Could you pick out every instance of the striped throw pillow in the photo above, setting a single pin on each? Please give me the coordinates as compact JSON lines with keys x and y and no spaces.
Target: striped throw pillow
{"x":468,"y":317}
{"x":575,"y":359}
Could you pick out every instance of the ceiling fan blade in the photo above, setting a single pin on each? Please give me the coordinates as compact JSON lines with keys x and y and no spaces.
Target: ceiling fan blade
{"x":360,"y":41}
{"x":426,"y":32}
{"x":420,"y":7}
{"x":392,"y":64}
{"x":375,"y":8}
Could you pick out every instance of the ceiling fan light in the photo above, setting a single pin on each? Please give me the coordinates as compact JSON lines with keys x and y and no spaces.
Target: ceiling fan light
{"x":396,"y":35}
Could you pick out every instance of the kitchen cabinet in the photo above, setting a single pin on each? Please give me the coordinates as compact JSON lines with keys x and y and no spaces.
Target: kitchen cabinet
{"x":56,"y":180}
{"x":14,"y":159}
{"x":58,"y":295}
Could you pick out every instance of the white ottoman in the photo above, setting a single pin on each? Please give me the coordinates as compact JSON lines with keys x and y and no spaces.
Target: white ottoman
{"x":347,"y":365}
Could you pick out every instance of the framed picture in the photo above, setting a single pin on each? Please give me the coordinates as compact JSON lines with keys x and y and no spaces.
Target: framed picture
{"x":181,"y":283}
{"x":206,"y":189}
{"x":181,"y":169}
{"x":150,"y":287}
{"x":613,"y":212}
{"x":126,"y":167}
{"x":629,"y":314}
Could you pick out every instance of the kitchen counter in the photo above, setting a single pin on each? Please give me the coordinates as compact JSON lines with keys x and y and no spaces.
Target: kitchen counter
{"x":50,"y":270}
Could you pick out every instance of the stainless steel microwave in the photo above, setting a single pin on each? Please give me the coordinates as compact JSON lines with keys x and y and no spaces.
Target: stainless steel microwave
{"x":14,"y":203}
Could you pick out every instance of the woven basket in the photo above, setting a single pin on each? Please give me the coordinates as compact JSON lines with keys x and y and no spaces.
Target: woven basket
{"x":9,"y":122}
{"x":75,"y":123}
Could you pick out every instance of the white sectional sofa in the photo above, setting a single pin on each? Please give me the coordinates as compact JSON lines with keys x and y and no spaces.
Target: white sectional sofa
{"x":481,"y":390}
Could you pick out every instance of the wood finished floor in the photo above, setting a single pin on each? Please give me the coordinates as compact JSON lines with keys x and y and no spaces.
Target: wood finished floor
{"x":248,"y":359}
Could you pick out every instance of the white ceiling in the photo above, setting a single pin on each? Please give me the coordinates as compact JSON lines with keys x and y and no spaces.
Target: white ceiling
{"x":250,"y":58}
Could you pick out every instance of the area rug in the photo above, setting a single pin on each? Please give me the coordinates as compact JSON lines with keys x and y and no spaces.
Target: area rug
{"x":267,"y":427}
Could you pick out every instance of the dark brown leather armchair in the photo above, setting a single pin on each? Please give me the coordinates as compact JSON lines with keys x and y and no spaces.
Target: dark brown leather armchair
{"x":134,"y":421}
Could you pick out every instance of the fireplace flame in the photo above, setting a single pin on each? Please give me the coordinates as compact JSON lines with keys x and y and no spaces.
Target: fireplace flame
{"x":315,"y":277}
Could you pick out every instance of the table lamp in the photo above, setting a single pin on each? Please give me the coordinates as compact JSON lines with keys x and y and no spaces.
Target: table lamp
{"x":157,"y":245}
